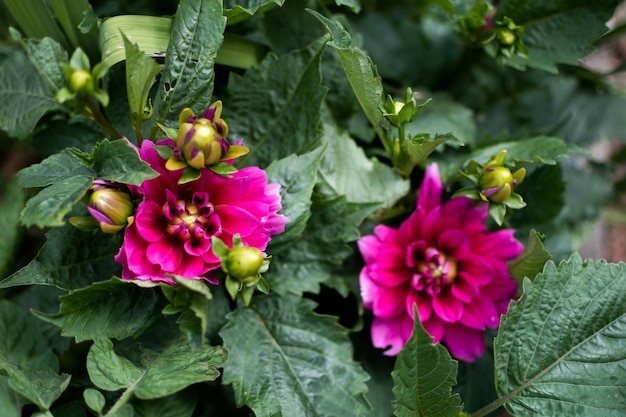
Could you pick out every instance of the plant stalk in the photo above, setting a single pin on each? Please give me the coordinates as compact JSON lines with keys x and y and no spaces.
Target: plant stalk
{"x":102,"y":121}
{"x":124,"y":398}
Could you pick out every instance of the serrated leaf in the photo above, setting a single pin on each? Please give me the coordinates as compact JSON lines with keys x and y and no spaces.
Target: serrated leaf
{"x":154,"y":374}
{"x":560,"y":348}
{"x":55,"y":168}
{"x":297,"y":176}
{"x":11,"y":204}
{"x":41,"y":386}
{"x":443,"y":116}
{"x":24,"y":95}
{"x":118,"y":161}
{"x":239,"y":10}
{"x":557,"y":32}
{"x":346,"y":170}
{"x":361,"y":72}
{"x":141,"y":72}
{"x":423,"y":377}
{"x":47,"y":55}
{"x":113,"y":309}
{"x":61,"y":264}
{"x":531,"y":261}
{"x":272,"y":102}
{"x":286,"y":360}
{"x":187,"y":78}
{"x":49,"y":207}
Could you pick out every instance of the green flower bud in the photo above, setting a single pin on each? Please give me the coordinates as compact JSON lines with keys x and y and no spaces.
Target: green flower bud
{"x":81,"y":83}
{"x":110,"y":204}
{"x":244,"y":263}
{"x":506,"y":37}
{"x":202,"y":140}
{"x":496,"y":181}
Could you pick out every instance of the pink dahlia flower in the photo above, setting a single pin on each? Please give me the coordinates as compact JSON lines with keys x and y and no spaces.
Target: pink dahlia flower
{"x":443,"y":259}
{"x":174,"y":223}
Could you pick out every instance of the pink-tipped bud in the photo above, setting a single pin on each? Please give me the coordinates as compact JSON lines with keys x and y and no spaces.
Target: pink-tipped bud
{"x":496,"y":181}
{"x":202,"y":140}
{"x":110,"y":204}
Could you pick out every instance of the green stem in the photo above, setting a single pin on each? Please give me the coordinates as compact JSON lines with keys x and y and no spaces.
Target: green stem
{"x":124,"y":398}
{"x":47,"y":413}
{"x":401,"y":134}
{"x":102,"y":121}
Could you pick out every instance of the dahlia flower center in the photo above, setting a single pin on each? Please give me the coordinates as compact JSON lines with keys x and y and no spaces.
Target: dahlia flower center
{"x":192,"y":219}
{"x":434,"y":270}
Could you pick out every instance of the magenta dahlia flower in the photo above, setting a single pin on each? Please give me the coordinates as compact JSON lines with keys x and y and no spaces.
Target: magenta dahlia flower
{"x":443,"y":259}
{"x":173,"y":225}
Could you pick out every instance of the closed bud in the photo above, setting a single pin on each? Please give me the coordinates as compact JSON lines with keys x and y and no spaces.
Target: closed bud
{"x":110,"y":204}
{"x":202,"y":140}
{"x":496,"y":181}
{"x":244,"y":263}
{"x":81,"y":83}
{"x":506,"y":37}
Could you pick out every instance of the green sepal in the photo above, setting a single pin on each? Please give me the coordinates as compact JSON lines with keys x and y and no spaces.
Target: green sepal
{"x":223,"y":169}
{"x":262,"y":285}
{"x":233,"y":286}
{"x":246,"y":294}
{"x":219,"y":248}
{"x":164,"y":151}
{"x":497,"y":211}
{"x":515,"y":201}
{"x":189,"y":174}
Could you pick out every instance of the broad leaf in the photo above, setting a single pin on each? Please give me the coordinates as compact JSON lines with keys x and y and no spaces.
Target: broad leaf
{"x":238,"y":10}
{"x":276,"y":106}
{"x":47,"y":55}
{"x":297,"y":176}
{"x":24,"y":95}
{"x":346,"y":170}
{"x":113,"y":309}
{"x":531,"y":261}
{"x":118,"y":161}
{"x":557,"y":32}
{"x":423,"y":376}
{"x":42,"y":387}
{"x":53,"y":169}
{"x":355,"y":5}
{"x":187,"y":79}
{"x":360,"y":70}
{"x":141,"y":71}
{"x":286,"y":360}
{"x":11,"y":204}
{"x":560,"y":348}
{"x":444,"y":116}
{"x":153,"y":374}
{"x":181,"y":404}
{"x":70,"y":259}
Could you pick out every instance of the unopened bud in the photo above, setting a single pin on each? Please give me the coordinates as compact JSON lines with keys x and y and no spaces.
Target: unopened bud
{"x":496,"y":182}
{"x":506,"y":37}
{"x":244,"y":263}
{"x":110,"y":205}
{"x":202,"y":140}
{"x":81,"y":83}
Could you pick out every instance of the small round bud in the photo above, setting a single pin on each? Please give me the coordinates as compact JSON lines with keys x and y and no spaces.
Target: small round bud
{"x":506,"y":37}
{"x":244,"y":262}
{"x":81,"y":83}
{"x":110,"y":205}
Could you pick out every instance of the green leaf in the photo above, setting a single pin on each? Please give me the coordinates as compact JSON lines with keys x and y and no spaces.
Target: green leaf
{"x":286,"y":360}
{"x":531,"y":261}
{"x":118,"y":161}
{"x":360,"y":70}
{"x":69,"y":259}
{"x":187,"y":79}
{"x":47,"y":56}
{"x":346,"y":170}
{"x":355,"y":5}
{"x":423,"y":377}
{"x":24,"y":95}
{"x":12,"y":202}
{"x":42,"y":387}
{"x":444,"y":116}
{"x":141,"y":72}
{"x":238,"y":10}
{"x":113,"y":309}
{"x":53,"y":169}
{"x":275,"y":100}
{"x":49,"y":207}
{"x":297,"y":176}
{"x":153,"y":374}
{"x":557,"y":32}
{"x":544,"y":191}
{"x":560,"y":348}
{"x":94,"y":400}
{"x":181,"y":404}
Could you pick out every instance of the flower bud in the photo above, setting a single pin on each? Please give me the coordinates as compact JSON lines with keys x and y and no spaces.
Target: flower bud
{"x":506,"y":37}
{"x":81,"y":83}
{"x":202,"y":140}
{"x":244,"y":263}
{"x":110,"y":205}
{"x":496,"y":181}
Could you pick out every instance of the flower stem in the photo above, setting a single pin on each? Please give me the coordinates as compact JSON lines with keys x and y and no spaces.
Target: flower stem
{"x":124,"y":398}
{"x":102,"y":121}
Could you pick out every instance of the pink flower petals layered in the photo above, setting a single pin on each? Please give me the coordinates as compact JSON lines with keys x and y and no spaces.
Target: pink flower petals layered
{"x":443,"y":259}
{"x":173,"y":225}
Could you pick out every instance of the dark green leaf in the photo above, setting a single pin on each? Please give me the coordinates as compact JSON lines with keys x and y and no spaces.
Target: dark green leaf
{"x":544,"y":192}
{"x":94,"y":399}
{"x":423,"y":376}
{"x":24,"y":95}
{"x":11,"y":403}
{"x":42,"y":387}
{"x":297,"y":176}
{"x":560,"y":348}
{"x":346,"y":170}
{"x":47,"y":55}
{"x":443,"y":116}
{"x":276,"y":107}
{"x":154,"y":374}
{"x":141,"y":71}
{"x":286,"y":360}
{"x":113,"y":309}
{"x":181,"y":404}
{"x":118,"y":161}
{"x":12,"y":202}
{"x":360,"y":70}
{"x":53,"y":169}
{"x":531,"y":261}
{"x":355,"y":5}
{"x":69,"y":259}
{"x":238,"y":10}
{"x":187,"y":79}
{"x":49,"y":207}
{"x":557,"y":32}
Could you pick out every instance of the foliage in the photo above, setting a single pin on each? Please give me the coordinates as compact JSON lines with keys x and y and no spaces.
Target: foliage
{"x":342,"y":103}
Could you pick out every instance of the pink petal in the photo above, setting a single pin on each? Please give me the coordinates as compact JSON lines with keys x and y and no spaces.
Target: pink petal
{"x":167,"y":252}
{"x":424,"y":306}
{"x":429,"y":196}
{"x":389,"y":277}
{"x":369,"y":246}
{"x":197,"y":247}
{"x":237,"y":220}
{"x":476,"y":270}
{"x":435,"y":327}
{"x":454,"y":243}
{"x":464,"y":343}
{"x":447,"y":307}
{"x":391,"y":333}
{"x":480,"y":313}
{"x":191,"y":267}
{"x":411,"y":229}
{"x":500,"y":244}
{"x":384,"y":302}
{"x":150,"y":220}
